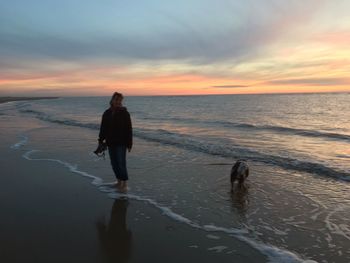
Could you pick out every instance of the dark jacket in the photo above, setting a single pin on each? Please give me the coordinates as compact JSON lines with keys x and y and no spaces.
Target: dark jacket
{"x":116,"y":127}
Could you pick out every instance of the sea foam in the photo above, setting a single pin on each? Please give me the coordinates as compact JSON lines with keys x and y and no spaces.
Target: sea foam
{"x":19,"y":144}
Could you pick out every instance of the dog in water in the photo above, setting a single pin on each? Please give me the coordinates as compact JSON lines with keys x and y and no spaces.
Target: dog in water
{"x":240,"y":172}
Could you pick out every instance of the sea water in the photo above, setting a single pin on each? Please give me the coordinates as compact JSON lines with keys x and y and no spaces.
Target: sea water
{"x":297,"y":146}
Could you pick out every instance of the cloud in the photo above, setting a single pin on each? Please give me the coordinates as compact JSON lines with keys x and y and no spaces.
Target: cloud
{"x":50,"y":90}
{"x":230,"y":86}
{"x":311,"y":81}
{"x":245,"y":43}
{"x":241,"y":30}
{"x":337,"y":38}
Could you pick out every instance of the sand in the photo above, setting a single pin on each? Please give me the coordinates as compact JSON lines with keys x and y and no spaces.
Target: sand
{"x":50,"y":214}
{"x":176,"y":210}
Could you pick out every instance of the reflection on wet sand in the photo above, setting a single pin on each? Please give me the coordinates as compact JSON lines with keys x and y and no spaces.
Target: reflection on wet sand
{"x":240,"y":200}
{"x":115,"y":238}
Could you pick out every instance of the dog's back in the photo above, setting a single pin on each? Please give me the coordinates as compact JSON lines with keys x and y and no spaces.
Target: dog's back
{"x":240,"y":172}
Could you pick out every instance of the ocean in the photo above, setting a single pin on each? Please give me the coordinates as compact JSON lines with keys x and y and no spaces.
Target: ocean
{"x":297,"y":204}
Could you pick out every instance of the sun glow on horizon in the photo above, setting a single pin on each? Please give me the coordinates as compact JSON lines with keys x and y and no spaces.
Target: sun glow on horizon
{"x":298,"y":49}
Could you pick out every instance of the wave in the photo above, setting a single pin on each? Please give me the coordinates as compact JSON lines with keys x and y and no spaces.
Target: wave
{"x":196,"y":143}
{"x":278,"y":129}
{"x":234,"y":151}
{"x":44,"y":117}
{"x":227,"y":124}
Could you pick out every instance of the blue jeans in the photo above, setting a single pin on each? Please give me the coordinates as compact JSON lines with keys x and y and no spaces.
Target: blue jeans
{"x":117,"y":154}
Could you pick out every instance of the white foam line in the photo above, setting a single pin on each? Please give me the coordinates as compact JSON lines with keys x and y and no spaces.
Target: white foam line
{"x":73,"y":168}
{"x":274,"y":254}
{"x":19,"y":144}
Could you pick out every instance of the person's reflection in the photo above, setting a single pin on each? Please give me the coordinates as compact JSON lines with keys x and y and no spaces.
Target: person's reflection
{"x":240,"y":200}
{"x":115,"y":238}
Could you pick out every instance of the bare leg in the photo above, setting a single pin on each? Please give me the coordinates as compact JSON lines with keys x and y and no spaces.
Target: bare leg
{"x":233,"y":179}
{"x":123,"y":186}
{"x":117,"y":184}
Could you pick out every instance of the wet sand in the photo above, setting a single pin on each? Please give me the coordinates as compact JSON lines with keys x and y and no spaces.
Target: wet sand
{"x":175,"y":210}
{"x":50,"y":214}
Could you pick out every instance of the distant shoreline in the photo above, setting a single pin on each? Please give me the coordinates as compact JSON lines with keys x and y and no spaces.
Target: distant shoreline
{"x":8,"y":99}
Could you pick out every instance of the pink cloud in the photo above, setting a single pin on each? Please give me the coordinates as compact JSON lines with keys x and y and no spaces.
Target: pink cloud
{"x":337,"y":38}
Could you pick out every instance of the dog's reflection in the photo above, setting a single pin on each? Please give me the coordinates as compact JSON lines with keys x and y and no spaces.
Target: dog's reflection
{"x":115,"y":238}
{"x":240,"y":199}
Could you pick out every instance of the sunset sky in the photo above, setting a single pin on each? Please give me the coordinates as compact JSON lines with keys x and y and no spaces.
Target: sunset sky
{"x":161,"y":47}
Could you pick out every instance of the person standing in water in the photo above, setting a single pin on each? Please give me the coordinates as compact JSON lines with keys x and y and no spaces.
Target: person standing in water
{"x":116,"y":131}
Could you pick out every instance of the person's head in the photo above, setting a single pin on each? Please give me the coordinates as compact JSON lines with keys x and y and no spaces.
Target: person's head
{"x":116,"y":100}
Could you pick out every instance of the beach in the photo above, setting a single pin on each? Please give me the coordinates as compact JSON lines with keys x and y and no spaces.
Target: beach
{"x":175,"y":94}
{"x":50,"y":214}
{"x":59,"y":205}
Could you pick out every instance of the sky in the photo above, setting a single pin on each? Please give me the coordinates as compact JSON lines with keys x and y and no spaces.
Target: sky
{"x":182,"y":47}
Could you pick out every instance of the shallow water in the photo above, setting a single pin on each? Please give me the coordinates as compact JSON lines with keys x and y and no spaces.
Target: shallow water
{"x":296,"y":132}
{"x":185,"y":174}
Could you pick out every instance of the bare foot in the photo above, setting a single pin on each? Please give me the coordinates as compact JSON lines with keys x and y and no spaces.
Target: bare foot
{"x":117,"y":185}
{"x":123,"y":189}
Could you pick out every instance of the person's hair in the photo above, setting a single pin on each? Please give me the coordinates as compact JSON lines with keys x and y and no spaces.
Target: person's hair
{"x":115,"y":94}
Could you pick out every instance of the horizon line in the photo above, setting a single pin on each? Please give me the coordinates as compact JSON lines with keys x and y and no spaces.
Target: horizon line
{"x":182,"y":95}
